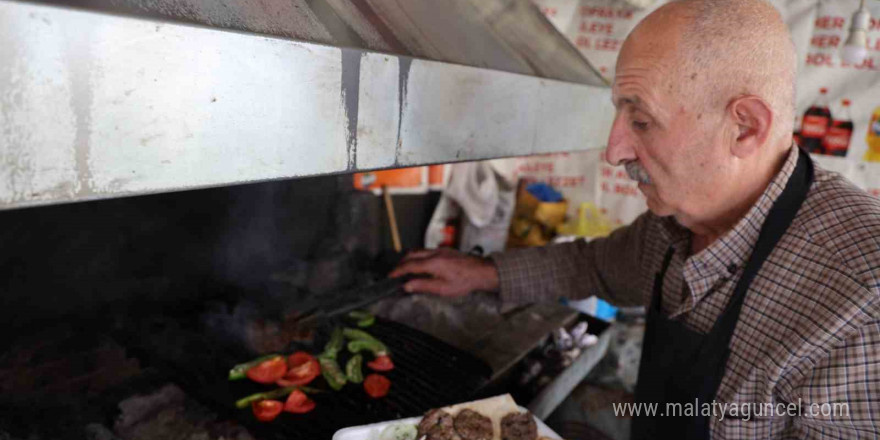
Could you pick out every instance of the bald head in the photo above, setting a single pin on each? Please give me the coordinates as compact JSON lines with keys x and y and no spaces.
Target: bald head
{"x":704,"y":92}
{"x":721,"y":49}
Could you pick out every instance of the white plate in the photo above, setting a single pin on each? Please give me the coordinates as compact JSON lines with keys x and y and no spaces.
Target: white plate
{"x":368,"y":432}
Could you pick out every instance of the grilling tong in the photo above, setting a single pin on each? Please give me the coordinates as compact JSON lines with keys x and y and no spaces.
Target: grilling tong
{"x":339,"y":303}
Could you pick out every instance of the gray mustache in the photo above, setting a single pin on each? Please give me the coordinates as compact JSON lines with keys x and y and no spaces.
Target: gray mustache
{"x":636,"y":172}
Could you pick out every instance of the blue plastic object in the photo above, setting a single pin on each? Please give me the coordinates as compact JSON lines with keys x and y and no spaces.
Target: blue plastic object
{"x":605,"y":311}
{"x":544,"y":192}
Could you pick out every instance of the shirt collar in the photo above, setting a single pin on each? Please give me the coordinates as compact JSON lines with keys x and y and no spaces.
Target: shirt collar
{"x":728,"y":254}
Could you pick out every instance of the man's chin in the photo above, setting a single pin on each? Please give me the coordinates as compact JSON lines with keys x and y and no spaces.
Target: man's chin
{"x":656,"y":206}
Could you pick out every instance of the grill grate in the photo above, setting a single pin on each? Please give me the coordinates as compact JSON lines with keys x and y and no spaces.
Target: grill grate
{"x":428,"y":373}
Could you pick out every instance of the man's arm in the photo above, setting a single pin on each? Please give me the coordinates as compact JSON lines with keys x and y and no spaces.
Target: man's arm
{"x":841,"y":393}
{"x":609,"y":267}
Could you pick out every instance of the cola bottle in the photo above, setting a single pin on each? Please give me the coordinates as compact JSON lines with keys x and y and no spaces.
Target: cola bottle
{"x":836,"y":140}
{"x":796,"y":135}
{"x":815,"y":124}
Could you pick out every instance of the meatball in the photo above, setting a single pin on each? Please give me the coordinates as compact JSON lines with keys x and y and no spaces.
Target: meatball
{"x":519,"y":426}
{"x":437,"y":425}
{"x":471,"y":425}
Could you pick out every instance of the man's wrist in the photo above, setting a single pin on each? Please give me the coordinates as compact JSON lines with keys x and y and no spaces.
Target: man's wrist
{"x":488,"y":275}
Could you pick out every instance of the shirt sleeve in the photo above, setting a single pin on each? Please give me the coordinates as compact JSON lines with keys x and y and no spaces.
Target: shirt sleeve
{"x":608,"y":267}
{"x":840,"y":396}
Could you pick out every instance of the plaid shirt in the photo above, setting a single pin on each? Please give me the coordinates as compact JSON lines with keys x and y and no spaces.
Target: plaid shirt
{"x":808,"y":332}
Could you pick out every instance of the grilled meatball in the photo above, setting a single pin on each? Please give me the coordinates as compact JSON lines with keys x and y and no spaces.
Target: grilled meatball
{"x":519,"y":426}
{"x":471,"y":425}
{"x":437,"y":425}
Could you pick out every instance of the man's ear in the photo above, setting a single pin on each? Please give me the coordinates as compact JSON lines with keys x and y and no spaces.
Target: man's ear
{"x":754,"y":119}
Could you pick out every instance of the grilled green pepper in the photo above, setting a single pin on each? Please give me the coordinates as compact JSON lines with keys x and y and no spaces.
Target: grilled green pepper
{"x":356,"y":335}
{"x":336,"y":342}
{"x":376,"y":347}
{"x":362,"y":319}
{"x":353,"y":369}
{"x":361,"y":340}
{"x":331,"y":372}
{"x":240,"y":371}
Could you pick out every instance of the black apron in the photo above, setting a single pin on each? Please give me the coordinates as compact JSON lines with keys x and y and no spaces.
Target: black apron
{"x":681,"y":366}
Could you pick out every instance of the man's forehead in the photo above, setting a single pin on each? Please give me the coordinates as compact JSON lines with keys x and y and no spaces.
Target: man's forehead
{"x":641,"y":50}
{"x":639,"y":93}
{"x":626,"y":99}
{"x":636,"y":86}
{"x":644,"y":76}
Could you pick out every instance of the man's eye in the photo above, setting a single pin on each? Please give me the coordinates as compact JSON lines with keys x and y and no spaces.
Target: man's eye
{"x":640,"y":125}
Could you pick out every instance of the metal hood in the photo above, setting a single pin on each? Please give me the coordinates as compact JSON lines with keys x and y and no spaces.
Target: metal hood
{"x":507,"y":35}
{"x":107,"y":98}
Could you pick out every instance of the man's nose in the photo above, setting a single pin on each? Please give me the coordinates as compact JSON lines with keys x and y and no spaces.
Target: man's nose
{"x":620,"y":142}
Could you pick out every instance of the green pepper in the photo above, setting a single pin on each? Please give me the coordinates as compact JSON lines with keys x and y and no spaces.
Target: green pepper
{"x":357,"y":335}
{"x":274,"y":394}
{"x":337,"y":341}
{"x":362,"y":319}
{"x":332,"y":373}
{"x":353,"y":369}
{"x":240,"y":371}
{"x":361,"y":340}
{"x":376,"y":347}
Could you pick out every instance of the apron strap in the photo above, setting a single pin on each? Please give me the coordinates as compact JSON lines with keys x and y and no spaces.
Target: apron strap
{"x":657,"y":292}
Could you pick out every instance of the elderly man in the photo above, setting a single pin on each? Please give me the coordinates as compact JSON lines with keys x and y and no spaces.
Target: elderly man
{"x":760,"y":271}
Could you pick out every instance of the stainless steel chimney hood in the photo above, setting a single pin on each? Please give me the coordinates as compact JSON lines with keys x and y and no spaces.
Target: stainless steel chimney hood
{"x":110,"y":98}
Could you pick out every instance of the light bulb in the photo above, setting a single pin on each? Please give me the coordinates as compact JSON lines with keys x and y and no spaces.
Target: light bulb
{"x":855,"y":50}
{"x":854,"y":54}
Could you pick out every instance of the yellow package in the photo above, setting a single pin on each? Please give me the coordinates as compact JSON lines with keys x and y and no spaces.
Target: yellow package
{"x":534,"y":222}
{"x":590,"y":223}
{"x":873,"y":138}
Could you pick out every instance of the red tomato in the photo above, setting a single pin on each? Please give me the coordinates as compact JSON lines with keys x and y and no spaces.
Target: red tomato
{"x":266,"y":410}
{"x":299,"y":359}
{"x":268,"y":371}
{"x":296,"y":398}
{"x":304,"y":368}
{"x":298,"y":403}
{"x":376,"y":385}
{"x":302,"y":409}
{"x":381,"y":363}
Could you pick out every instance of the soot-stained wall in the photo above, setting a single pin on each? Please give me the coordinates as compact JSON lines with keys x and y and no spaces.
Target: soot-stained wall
{"x":176,"y":248}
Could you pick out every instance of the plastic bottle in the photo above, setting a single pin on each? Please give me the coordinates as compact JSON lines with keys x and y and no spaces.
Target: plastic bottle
{"x":873,"y":138}
{"x":815,"y":124}
{"x":796,"y":135}
{"x":836,"y":140}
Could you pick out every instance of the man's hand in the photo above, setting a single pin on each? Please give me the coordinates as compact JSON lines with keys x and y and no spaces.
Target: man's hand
{"x":452,"y":273}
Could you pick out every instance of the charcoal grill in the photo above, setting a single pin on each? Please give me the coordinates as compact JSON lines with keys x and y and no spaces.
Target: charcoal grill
{"x":429,"y":373}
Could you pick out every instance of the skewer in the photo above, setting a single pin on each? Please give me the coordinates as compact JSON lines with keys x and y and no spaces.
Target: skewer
{"x":392,"y":219}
